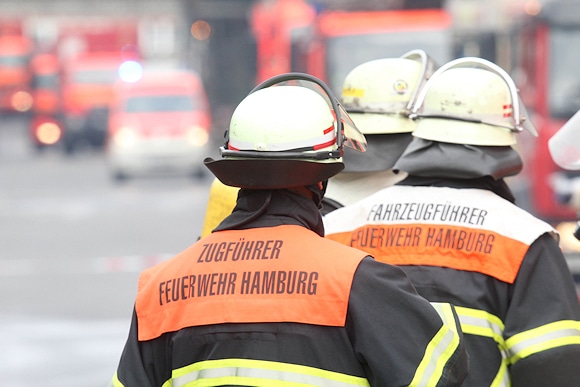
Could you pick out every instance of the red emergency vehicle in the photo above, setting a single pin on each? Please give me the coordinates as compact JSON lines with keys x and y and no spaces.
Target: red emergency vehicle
{"x":330,"y":42}
{"x":345,"y":39}
{"x":45,"y":120}
{"x":277,"y":26}
{"x":91,"y":54}
{"x":546,"y":71}
{"x":15,"y":52}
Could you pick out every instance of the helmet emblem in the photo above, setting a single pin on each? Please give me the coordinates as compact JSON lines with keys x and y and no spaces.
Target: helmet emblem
{"x":400,"y":86}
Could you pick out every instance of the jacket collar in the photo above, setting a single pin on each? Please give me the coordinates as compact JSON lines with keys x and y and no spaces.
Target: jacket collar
{"x":269,"y":208}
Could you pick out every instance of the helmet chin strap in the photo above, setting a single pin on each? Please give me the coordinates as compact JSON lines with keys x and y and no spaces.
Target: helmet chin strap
{"x":318,"y":190}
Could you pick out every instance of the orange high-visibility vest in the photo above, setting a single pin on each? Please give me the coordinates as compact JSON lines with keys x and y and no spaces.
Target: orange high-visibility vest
{"x":275,"y":274}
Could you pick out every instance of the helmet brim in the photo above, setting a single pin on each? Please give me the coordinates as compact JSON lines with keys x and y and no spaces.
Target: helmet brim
{"x":272,"y":174}
{"x":455,"y":131}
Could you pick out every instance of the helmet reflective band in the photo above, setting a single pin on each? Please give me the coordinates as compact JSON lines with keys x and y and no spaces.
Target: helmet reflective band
{"x":376,"y":95}
{"x":282,"y":118}
{"x":475,"y":105}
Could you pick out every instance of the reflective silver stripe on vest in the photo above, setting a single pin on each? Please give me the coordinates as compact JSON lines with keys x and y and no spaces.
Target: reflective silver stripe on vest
{"x":553,"y":335}
{"x":440,"y":349}
{"x":481,"y":323}
{"x":259,"y":373}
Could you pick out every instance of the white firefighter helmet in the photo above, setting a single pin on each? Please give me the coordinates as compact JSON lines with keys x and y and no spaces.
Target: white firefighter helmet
{"x":470,"y":101}
{"x":379,"y":94}
{"x":564,"y":145}
{"x":289,"y":131}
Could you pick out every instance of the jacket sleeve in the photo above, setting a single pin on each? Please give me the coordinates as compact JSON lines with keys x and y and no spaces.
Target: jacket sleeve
{"x":142,"y":364}
{"x":542,"y":325}
{"x":400,"y":338}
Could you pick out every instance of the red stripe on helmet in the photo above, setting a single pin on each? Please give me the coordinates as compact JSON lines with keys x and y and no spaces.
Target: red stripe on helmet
{"x":505,"y":107}
{"x":324,"y":145}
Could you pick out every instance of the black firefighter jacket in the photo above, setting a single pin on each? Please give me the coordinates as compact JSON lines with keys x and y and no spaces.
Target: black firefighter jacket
{"x":266,"y":301}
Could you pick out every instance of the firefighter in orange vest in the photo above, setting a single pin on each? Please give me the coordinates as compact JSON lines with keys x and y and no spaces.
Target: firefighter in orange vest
{"x":265,"y":299}
{"x":378,"y":96}
{"x":453,"y":227}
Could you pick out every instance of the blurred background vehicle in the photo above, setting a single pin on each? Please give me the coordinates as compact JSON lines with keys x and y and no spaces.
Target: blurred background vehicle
{"x":16,"y":49}
{"x":86,"y":84}
{"x":46,"y":127}
{"x":545,"y":68}
{"x":159,"y":123}
{"x":368,"y":35}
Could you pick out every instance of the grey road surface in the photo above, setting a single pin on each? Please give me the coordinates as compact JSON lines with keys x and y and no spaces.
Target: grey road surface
{"x":72,"y":244}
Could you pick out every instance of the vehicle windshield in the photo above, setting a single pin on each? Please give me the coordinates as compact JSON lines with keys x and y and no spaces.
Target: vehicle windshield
{"x":160,"y":103}
{"x":564,"y":83}
{"x":101,"y":76}
{"x":45,"y":81}
{"x":13,"y":60}
{"x":346,"y":52}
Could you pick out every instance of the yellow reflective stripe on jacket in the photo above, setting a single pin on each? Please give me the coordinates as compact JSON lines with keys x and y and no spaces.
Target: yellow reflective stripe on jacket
{"x":553,"y":335}
{"x":481,"y":323}
{"x":439,"y":351}
{"x":258,"y":373}
{"x":502,"y":378}
{"x":115,"y":382}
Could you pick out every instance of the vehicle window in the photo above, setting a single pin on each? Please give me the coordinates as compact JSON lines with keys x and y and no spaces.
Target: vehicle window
{"x":160,"y":103}
{"x":45,"y":81}
{"x":13,"y":60}
{"x":104,"y":77}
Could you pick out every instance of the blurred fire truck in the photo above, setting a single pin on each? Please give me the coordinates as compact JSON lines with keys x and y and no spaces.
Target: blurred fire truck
{"x":15,"y":51}
{"x":45,"y":121}
{"x":90,"y":53}
{"x":328,"y":42}
{"x":546,"y":71}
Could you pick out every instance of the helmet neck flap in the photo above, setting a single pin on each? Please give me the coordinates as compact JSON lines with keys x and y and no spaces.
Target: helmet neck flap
{"x":445,"y":160}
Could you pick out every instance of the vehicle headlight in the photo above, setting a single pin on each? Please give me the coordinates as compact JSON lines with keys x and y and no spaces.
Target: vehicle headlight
{"x":197,"y":136}
{"x":48,"y":133}
{"x":125,"y":137}
{"x":21,"y":101}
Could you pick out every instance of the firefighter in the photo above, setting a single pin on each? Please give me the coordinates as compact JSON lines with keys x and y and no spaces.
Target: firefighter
{"x":452,"y":225}
{"x":265,"y":300}
{"x":220,"y":203}
{"x":378,"y":96}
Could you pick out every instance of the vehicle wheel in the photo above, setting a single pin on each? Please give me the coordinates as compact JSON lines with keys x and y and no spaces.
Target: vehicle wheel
{"x":39,"y":148}
{"x":69,"y":147}
{"x":120,"y":177}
